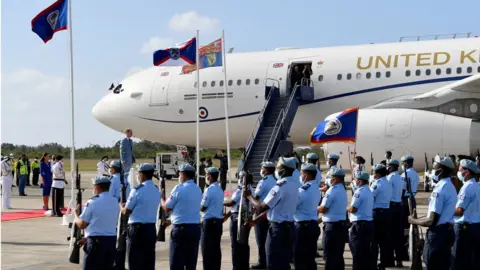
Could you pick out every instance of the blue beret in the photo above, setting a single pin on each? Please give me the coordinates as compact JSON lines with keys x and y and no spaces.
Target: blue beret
{"x":333,"y":156}
{"x":211,"y":170}
{"x":468,"y":164}
{"x":337,"y":172}
{"x":186,"y":168}
{"x":377,"y":167}
{"x":100,"y":180}
{"x":406,"y":157}
{"x":145,"y":167}
{"x":312,"y":156}
{"x":393,"y":162}
{"x":445,"y":161}
{"x":308,"y":167}
{"x":116,"y":163}
{"x":362,"y":175}
{"x":268,"y":164}
{"x":289,"y":162}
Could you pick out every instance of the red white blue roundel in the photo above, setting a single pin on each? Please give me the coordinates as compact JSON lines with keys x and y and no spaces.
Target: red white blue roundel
{"x":203,"y":112}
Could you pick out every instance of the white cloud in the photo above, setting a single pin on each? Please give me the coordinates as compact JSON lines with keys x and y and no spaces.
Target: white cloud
{"x":191,"y":21}
{"x":156,"y":43}
{"x":31,"y":80}
{"x":134,"y":70}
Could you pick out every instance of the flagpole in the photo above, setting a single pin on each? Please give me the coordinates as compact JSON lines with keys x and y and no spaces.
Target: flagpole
{"x":72,"y":112}
{"x":225,"y":103}
{"x":198,"y":106}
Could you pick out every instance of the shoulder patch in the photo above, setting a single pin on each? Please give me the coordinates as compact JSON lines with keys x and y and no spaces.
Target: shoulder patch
{"x":281,"y":183}
{"x":375,"y":186}
{"x":306,"y":186}
{"x":461,"y":197}
{"x":356,"y":195}
{"x":434,"y":194}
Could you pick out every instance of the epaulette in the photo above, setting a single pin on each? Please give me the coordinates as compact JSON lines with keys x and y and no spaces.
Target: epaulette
{"x":94,"y":197}
{"x":281,"y":182}
{"x":139,"y":186}
{"x":306,"y":186}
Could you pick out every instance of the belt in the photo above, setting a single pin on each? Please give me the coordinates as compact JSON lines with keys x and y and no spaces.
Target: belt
{"x":140,"y":224}
{"x":102,"y":237}
{"x":282,"y":222}
{"x":58,"y":179}
{"x":361,"y":221}
{"x":307,"y":221}
{"x":337,"y":222}
{"x":394,"y":203}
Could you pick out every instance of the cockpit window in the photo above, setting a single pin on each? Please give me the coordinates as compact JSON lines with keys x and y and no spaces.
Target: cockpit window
{"x":118,"y":89}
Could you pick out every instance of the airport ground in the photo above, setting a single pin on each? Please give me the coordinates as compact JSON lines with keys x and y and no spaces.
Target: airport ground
{"x":41,"y":242}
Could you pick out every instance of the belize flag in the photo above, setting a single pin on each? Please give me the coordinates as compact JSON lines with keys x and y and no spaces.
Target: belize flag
{"x":182,"y":54}
{"x":51,"y":20}
{"x":340,"y":127}
{"x":210,"y":56}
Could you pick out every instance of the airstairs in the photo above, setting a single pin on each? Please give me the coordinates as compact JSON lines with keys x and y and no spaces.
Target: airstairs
{"x":269,"y":136}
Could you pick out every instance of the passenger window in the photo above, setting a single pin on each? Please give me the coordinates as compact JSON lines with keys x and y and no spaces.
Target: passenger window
{"x":221,"y":83}
{"x":349,"y":76}
{"x":448,"y":71}
{"x":428,"y":72}
{"x":359,"y":76}
{"x":469,"y":69}
{"x":418,"y":72}
{"x":387,"y":74}
{"x":439,"y":71}
{"x":239,"y":82}
{"x":320,"y":77}
{"x":459,"y":70}
{"x":369,"y":75}
{"x":339,"y":77}
{"x":378,"y":75}
{"x":230,"y":82}
{"x":407,"y":73}
{"x":204,"y":84}
{"x":212,"y":84}
{"x":247,"y":82}
{"x":257,"y":81}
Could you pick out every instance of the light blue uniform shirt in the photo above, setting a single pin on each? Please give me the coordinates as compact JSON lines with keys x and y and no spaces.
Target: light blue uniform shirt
{"x":318,"y":178}
{"x":308,"y":199}
{"x":236,"y":196}
{"x":382,"y":193}
{"x":143,"y":201}
{"x":101,"y":214}
{"x":469,"y":199}
{"x":443,"y":200}
{"x":413,"y":176}
{"x":116,"y":186}
{"x":264,"y":186}
{"x":362,"y":200}
{"x":336,"y":202}
{"x":282,"y":200}
{"x":397,"y":186}
{"x":213,"y":201}
{"x":184,"y":201}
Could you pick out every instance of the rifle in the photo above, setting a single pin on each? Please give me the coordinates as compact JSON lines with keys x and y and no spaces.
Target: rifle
{"x":122,"y":224}
{"x":162,"y":215}
{"x":244,"y":215}
{"x":76,"y":235}
{"x":415,"y":247}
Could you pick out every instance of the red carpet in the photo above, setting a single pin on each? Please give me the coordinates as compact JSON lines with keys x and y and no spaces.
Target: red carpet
{"x":24,"y":214}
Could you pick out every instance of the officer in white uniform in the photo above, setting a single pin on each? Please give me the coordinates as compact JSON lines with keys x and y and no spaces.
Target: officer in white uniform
{"x":396,"y":212}
{"x":335,"y":231}
{"x":142,"y":206}
{"x":280,"y":206}
{"x":7,"y":180}
{"x":99,"y":220}
{"x":306,"y":219}
{"x":361,"y":210}
{"x":58,"y":186}
{"x":467,"y":218}
{"x":267,"y":182}
{"x":441,"y":208}
{"x":102,"y":167}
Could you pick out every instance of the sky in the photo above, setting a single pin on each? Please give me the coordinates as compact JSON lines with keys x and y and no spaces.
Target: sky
{"x":112,"y":39}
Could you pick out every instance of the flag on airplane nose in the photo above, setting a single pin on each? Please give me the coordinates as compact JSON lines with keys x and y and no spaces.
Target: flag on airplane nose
{"x":182,"y":54}
{"x":340,"y":127}
{"x":210,"y":56}
{"x":51,"y":20}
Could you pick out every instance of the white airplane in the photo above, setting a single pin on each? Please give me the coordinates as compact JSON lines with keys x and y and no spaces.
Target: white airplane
{"x":415,"y":98}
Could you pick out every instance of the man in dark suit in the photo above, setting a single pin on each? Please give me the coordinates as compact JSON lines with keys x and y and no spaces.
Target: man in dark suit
{"x":222,"y":156}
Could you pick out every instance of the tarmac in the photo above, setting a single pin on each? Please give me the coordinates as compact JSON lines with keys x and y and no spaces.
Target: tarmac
{"x":41,"y":243}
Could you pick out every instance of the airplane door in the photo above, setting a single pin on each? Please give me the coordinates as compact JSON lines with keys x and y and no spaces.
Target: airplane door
{"x":277,"y":76}
{"x":159,"y":96}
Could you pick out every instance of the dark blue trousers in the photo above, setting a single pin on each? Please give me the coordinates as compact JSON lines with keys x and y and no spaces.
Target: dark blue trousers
{"x":463,"y":249}
{"x":279,"y":245}
{"x":361,"y":235}
{"x":306,"y":235}
{"x":141,"y":240}
{"x":436,"y":252}
{"x":397,"y":233}
{"x":261,"y":231}
{"x":240,"y":251}
{"x":334,"y":237}
{"x":381,"y":237}
{"x":210,"y":243}
{"x":99,"y":253}
{"x":184,"y":240}
{"x":476,"y":248}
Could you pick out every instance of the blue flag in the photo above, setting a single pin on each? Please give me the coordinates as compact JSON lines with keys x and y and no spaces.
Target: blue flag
{"x":179,"y":55}
{"x":51,"y":20}
{"x":210,"y":56}
{"x":341,"y":128}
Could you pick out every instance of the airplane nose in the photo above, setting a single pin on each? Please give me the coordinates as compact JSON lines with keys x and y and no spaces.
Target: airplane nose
{"x":99,"y":111}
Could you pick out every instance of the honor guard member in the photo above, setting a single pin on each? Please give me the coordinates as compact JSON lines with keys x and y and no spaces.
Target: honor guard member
{"x":116,"y":184}
{"x":335,"y":231}
{"x":407,"y":162}
{"x":466,"y":218}
{"x":280,"y":206}
{"x":184,"y":203}
{"x":313,"y":159}
{"x":7,"y":180}
{"x":99,"y":220}
{"x":240,"y":251}
{"x":361,"y":233}
{"x":441,"y":208}
{"x":306,"y":219}
{"x":142,"y":206}
{"x":382,"y":216}
{"x":332,"y":165}
{"x":396,"y":211}
{"x":261,"y":225}
{"x":212,"y":205}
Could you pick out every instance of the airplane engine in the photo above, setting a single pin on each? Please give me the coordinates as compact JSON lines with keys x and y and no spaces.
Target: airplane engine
{"x":408,"y":131}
